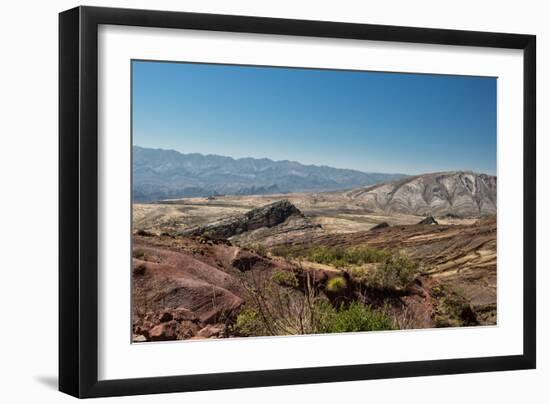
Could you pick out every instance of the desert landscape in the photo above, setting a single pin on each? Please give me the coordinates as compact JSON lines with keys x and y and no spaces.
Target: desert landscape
{"x":401,"y":252}
{"x":275,"y":201}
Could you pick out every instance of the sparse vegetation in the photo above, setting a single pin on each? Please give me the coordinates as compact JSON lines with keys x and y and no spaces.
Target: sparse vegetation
{"x":354,"y":318}
{"x":336,"y":284}
{"x":285,"y":278}
{"x":249,"y":323}
{"x":396,"y":272}
{"x":273,"y":309}
{"x":391,"y":271}
{"x":288,"y":251}
{"x":258,"y":248}
{"x":280,"y":305}
{"x":405,"y":319}
{"x":452,"y":308}
{"x":336,"y":256}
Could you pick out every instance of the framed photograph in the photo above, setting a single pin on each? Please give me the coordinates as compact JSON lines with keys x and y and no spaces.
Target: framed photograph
{"x":251,"y":201}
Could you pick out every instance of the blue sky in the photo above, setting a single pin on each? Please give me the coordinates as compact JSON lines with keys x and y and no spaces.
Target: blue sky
{"x":369,"y":121}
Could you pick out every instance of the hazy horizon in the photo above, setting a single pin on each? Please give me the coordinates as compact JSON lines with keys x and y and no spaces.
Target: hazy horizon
{"x":366,"y":121}
{"x":304,"y":164}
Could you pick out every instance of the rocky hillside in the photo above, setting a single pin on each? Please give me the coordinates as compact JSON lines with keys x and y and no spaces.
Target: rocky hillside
{"x":456,"y":193}
{"x":196,"y":287}
{"x":162,"y":174}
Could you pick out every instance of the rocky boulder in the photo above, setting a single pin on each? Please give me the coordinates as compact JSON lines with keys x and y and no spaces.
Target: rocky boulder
{"x":381,"y":226}
{"x":265,"y":216}
{"x":212,"y":331}
{"x":428,"y":220}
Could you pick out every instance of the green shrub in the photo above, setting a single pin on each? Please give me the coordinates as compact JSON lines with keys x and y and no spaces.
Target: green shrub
{"x":325,"y":318}
{"x":359,"y":255}
{"x":326,"y":255}
{"x":354,"y":318}
{"x":249,"y":323}
{"x":359,"y":274}
{"x":396,"y":272}
{"x":392,"y":271}
{"x":287,"y":251}
{"x":285,"y":278}
{"x":336,"y":284}
{"x":335,"y":256}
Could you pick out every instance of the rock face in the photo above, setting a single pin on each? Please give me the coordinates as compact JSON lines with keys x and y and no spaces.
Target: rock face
{"x":457,"y":193}
{"x":263,"y":217}
{"x":295,"y":227}
{"x":189,"y":289}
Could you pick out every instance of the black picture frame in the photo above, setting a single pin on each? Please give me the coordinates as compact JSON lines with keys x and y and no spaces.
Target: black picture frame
{"x":78,"y":201}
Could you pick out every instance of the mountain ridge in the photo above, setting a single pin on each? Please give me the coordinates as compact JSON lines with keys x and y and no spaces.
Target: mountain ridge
{"x":163,"y":174}
{"x":460,"y":193}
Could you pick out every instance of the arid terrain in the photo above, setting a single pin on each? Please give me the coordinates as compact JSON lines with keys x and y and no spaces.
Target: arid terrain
{"x":417,"y":252}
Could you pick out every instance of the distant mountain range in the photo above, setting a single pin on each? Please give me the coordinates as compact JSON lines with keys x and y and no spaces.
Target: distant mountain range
{"x":162,"y":174}
{"x":454,"y":193}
